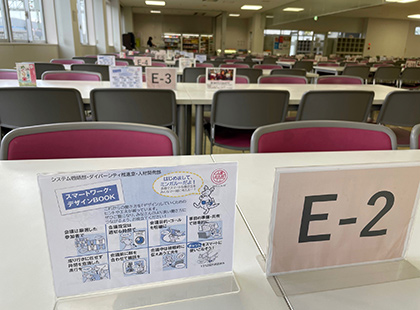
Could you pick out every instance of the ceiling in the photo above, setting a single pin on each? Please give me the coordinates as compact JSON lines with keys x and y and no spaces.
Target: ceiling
{"x":345,"y":8}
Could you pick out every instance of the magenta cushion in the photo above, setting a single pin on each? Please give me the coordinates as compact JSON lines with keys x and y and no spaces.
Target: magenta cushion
{"x":318,"y":139}
{"x":88,"y":144}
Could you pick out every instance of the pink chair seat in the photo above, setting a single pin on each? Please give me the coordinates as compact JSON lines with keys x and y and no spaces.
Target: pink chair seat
{"x":67,"y":61}
{"x":339,"y":80}
{"x":96,"y":144}
{"x":204,"y":65}
{"x":282,"y":79}
{"x":8,"y":75}
{"x":234,"y":65}
{"x":323,"y":139}
{"x":71,"y":76}
{"x":121,"y":63}
{"x":158,"y":64}
{"x":236,"y":138}
{"x":267,"y":67}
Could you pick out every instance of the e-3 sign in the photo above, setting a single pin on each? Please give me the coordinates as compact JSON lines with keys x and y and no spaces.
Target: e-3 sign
{"x":336,"y":216}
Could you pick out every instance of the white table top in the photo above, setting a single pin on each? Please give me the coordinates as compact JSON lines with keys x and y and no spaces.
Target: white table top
{"x":336,"y":70}
{"x":255,"y":190}
{"x":84,"y":87}
{"x":26,"y":277}
{"x":199,"y":94}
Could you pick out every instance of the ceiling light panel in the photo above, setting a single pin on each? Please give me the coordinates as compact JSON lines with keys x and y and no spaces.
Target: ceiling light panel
{"x":157,"y":3}
{"x":234,"y":15}
{"x":155,"y":12}
{"x":293,"y":9}
{"x":251,"y":7}
{"x":417,"y":16}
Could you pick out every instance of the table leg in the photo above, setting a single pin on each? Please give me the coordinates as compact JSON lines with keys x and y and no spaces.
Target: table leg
{"x":181,"y":127}
{"x":198,"y":129}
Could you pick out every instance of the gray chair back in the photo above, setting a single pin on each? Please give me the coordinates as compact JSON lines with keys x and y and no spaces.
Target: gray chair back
{"x":248,"y":109}
{"x":400,"y":108}
{"x":145,"y":106}
{"x":269,"y":60}
{"x":298,"y":72}
{"x":41,"y":67}
{"x":307,"y":65}
{"x":410,"y":76}
{"x":26,"y":106}
{"x":102,"y":69}
{"x":190,"y":75}
{"x":252,"y":74}
{"x":360,"y":71}
{"x":87,"y":60}
{"x":351,"y":105}
{"x":388,"y":75}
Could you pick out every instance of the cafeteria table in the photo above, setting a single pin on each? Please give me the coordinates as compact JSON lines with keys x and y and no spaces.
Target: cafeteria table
{"x":255,"y":193}
{"x":200,"y":95}
{"x":26,"y":280}
{"x":336,"y":70}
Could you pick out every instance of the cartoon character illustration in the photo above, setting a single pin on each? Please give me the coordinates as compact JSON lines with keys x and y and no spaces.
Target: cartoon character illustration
{"x":209,"y":230}
{"x":133,"y":267}
{"x":132,"y":240}
{"x":206,"y":201}
{"x":95,"y":272}
{"x":172,"y":235}
{"x":174,"y":260}
{"x":207,"y":257}
{"x":127,"y":241}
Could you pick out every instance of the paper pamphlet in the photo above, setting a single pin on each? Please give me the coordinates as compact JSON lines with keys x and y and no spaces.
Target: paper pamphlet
{"x":116,"y":228}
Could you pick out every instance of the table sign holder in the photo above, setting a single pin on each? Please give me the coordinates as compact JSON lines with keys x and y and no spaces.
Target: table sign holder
{"x":200,"y":58}
{"x":139,"y":237}
{"x":142,"y":61}
{"x":123,"y":55}
{"x":220,"y":78}
{"x":344,"y":226}
{"x":126,"y":76}
{"x":106,"y":60}
{"x":26,"y":74}
{"x":161,"y":77}
{"x":186,"y":63}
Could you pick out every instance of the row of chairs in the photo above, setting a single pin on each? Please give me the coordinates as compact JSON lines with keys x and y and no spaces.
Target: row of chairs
{"x":235,"y":114}
{"x":112,"y":139}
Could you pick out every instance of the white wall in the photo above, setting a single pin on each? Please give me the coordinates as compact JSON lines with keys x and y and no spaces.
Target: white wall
{"x":237,"y":33}
{"x":154,"y":25}
{"x":13,"y":53}
{"x":412,"y":48}
{"x":387,"y":37}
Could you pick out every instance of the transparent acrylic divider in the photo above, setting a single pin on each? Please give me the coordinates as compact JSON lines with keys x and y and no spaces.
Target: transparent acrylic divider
{"x":306,"y":282}
{"x":153,"y":294}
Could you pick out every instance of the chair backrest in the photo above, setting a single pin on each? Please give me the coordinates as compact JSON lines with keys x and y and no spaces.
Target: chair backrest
{"x":67,"y":61}
{"x":282,"y":79}
{"x":328,"y":64}
{"x":297,"y":72}
{"x":322,"y":136}
{"x":414,"y":137}
{"x":8,"y":74}
{"x":339,"y":79}
{"x":88,"y":140}
{"x":248,"y":109}
{"x":204,"y":65}
{"x":360,"y":71}
{"x":190,"y":75}
{"x":71,"y":76}
{"x":252,"y":74}
{"x":234,"y":65}
{"x":145,"y":106}
{"x":267,"y":67}
{"x":410,"y":75}
{"x":102,"y":69}
{"x":239,"y":79}
{"x":158,"y":64}
{"x":307,"y":65}
{"x":87,"y":60}
{"x":344,"y":105}
{"x":387,"y":74}
{"x":269,"y":60}
{"x":129,"y":61}
{"x":400,"y":108}
{"x":41,"y":67}
{"x":27,"y":106}
{"x":382,"y":65}
{"x":121,"y":63}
